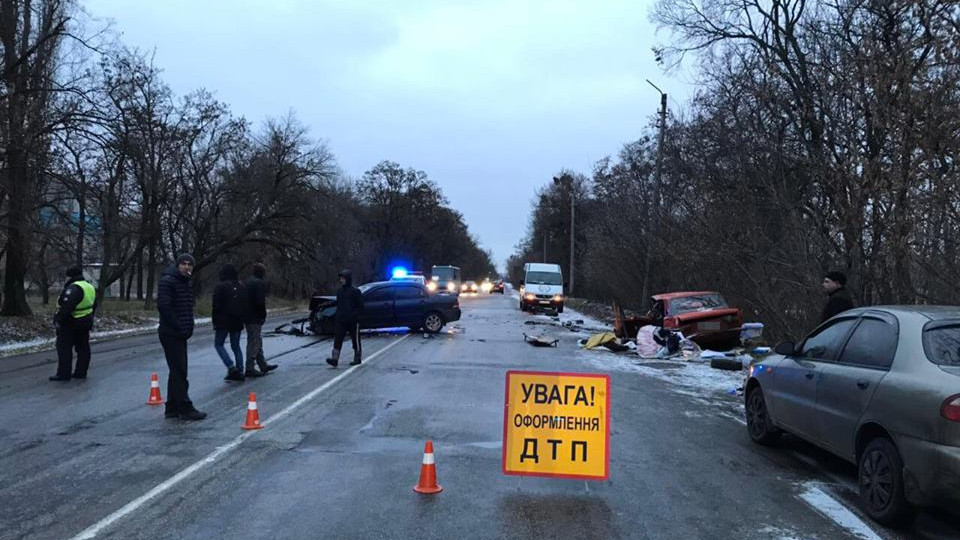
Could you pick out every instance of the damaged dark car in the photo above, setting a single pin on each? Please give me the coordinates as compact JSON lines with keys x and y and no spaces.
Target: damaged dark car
{"x":391,"y":304}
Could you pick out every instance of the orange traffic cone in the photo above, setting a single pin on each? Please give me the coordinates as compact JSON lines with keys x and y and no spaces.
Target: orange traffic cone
{"x":155,"y":397}
{"x":428,"y":473}
{"x":253,"y":415}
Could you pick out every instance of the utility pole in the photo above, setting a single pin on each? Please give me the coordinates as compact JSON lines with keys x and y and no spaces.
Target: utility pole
{"x":544,"y":247}
{"x":655,"y":228}
{"x":566,"y":180}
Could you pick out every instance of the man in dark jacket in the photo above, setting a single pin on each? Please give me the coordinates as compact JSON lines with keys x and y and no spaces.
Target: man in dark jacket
{"x":834,"y":284}
{"x":347,"y":319}
{"x":74,"y":320}
{"x":257,"y":293}
{"x":175,"y":303}
{"x":230,"y":312}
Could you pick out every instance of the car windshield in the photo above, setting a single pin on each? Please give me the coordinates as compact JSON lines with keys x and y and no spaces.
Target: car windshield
{"x":544,"y":278}
{"x":700,"y":302}
{"x":941,"y":343}
{"x":445,"y":273}
{"x":365,"y":288}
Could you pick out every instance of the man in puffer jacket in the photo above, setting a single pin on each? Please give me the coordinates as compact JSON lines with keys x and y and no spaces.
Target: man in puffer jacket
{"x":175,"y":302}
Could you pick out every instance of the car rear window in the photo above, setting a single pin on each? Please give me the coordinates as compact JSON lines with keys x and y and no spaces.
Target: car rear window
{"x":941,"y":343}
{"x":690,"y":304}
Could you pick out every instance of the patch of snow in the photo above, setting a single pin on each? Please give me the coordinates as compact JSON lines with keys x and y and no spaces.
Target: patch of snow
{"x":693,"y":378}
{"x":783,"y":534}
{"x":834,"y":510}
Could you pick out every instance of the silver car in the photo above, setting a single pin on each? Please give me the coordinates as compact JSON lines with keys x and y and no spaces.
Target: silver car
{"x":879,"y":387}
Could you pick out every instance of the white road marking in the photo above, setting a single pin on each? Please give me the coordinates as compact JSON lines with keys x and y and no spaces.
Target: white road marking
{"x":132,"y":506}
{"x":833,"y":509}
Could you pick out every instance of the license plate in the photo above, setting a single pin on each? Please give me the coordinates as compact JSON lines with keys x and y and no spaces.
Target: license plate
{"x":545,"y":302}
{"x":710,"y":325}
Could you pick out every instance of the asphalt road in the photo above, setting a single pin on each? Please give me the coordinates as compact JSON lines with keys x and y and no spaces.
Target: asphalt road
{"x":341,"y":450}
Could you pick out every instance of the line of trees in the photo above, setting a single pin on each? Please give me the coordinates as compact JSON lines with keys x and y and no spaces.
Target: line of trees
{"x":102,"y":163}
{"x":824,"y":135}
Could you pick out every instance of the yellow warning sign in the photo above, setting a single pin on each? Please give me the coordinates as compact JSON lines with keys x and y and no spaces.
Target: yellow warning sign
{"x":557,"y":424}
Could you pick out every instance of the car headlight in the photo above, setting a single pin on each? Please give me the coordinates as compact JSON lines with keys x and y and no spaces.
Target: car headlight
{"x":530,"y":297}
{"x":451,"y":287}
{"x":558,"y":298}
{"x":432,"y":285}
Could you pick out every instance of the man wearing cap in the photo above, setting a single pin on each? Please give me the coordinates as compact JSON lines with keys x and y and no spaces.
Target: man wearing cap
{"x":347,"y":319}
{"x":74,"y":320}
{"x":175,"y":302}
{"x":834,"y":284}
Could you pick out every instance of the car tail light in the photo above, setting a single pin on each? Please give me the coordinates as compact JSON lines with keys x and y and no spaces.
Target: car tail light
{"x":951,"y":408}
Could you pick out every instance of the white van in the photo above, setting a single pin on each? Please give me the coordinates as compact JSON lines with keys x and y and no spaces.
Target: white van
{"x":542,"y":287}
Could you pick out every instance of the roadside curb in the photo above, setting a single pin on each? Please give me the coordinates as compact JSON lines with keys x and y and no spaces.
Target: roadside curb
{"x":109,"y":335}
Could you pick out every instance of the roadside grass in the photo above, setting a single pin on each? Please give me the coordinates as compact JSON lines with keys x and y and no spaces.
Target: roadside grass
{"x":114,"y":314}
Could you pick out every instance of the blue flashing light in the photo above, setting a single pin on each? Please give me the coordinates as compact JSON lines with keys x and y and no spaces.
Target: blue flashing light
{"x":399,"y":272}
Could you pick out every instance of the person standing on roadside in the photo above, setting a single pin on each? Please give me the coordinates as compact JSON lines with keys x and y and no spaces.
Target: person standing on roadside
{"x":347,"y":319}
{"x":175,"y":302}
{"x":256,"y":289}
{"x":74,"y":320}
{"x":230,"y":307}
{"x":839,"y":300}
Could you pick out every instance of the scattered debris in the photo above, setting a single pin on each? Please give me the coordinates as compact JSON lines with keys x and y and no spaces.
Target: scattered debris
{"x":291,"y":328}
{"x":541,"y":341}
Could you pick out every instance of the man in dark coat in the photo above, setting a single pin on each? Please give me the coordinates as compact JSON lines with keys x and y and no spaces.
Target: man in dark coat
{"x":230,"y":312}
{"x":834,"y":284}
{"x":175,"y":302}
{"x":257,"y":293}
{"x":74,"y":320}
{"x":347,"y":319}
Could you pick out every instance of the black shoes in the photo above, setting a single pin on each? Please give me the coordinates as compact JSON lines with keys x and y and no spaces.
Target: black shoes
{"x":59,"y":378}
{"x":79,"y":375}
{"x":169,"y":413}
{"x":193,"y":414}
{"x":333,"y":362}
{"x":234,"y":375}
{"x":253,"y":373}
{"x":356,"y":360}
{"x":267,"y":368}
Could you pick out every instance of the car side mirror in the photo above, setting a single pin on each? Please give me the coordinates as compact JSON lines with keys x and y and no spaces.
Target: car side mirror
{"x":786,"y":348}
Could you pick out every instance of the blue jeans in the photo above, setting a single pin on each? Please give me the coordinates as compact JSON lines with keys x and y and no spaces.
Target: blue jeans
{"x":219,"y":338}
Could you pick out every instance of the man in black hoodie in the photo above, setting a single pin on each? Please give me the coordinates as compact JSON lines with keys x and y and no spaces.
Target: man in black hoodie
{"x":74,"y":320}
{"x":347,"y":319}
{"x":175,"y":302}
{"x":834,"y":284}
{"x":256,"y":288}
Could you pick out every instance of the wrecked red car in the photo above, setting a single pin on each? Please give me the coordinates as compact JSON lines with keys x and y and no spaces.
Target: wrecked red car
{"x":703,"y":316}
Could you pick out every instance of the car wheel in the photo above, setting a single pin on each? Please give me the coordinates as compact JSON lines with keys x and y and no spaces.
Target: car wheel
{"x":560,"y":309}
{"x":522,"y":308}
{"x":880,"y":472}
{"x":759,"y":424}
{"x":433,"y":322}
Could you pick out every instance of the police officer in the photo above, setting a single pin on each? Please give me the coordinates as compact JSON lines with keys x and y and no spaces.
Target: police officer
{"x":347,"y":319}
{"x":74,"y":320}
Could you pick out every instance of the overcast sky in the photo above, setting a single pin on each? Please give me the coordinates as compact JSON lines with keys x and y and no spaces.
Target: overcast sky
{"x":489,"y":97}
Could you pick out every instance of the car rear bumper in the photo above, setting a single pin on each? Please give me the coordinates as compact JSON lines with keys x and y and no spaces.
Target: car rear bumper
{"x":931,"y":471}
{"x":452,"y":315}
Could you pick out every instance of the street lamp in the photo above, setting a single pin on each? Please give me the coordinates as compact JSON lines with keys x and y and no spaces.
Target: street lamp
{"x":567,"y":180}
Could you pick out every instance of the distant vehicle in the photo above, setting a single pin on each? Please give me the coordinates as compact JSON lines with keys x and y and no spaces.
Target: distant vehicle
{"x":542,"y":287}
{"x":444,"y":279}
{"x":388,"y":304}
{"x":879,"y":387}
{"x":497,"y":286}
{"x":470,"y":287}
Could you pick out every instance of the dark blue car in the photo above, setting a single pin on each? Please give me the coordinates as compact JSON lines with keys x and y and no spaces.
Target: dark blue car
{"x":389,"y":304}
